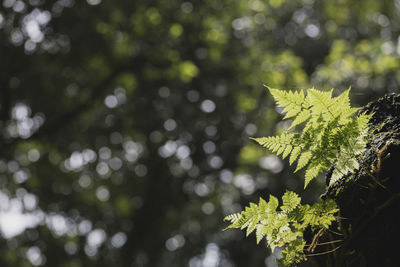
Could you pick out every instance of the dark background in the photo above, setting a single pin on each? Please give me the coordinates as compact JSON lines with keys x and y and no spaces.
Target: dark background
{"x":124,"y":125}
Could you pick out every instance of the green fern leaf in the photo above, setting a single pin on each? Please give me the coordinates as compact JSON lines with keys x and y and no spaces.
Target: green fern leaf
{"x":260,"y":232}
{"x":287,"y":151}
{"x":262,"y":205}
{"x":345,"y":164}
{"x":362,"y":122}
{"x":322,"y":103}
{"x":293,"y":253}
{"x":321,"y":214}
{"x":281,"y":149}
{"x":291,"y":101}
{"x":295,"y":153}
{"x":342,"y":103}
{"x":261,"y":141}
{"x":278,"y":144}
{"x":312,"y":171}
{"x":272,"y":205}
{"x":251,"y":227}
{"x":290,"y":201}
{"x":232,"y":218}
{"x":303,"y":160}
{"x":276,"y":147}
{"x":301,"y":117}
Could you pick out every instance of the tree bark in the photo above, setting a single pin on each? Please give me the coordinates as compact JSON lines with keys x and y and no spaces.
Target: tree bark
{"x":369,"y":200}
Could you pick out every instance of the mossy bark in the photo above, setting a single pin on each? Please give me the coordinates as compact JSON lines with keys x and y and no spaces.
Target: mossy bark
{"x":369,"y":200}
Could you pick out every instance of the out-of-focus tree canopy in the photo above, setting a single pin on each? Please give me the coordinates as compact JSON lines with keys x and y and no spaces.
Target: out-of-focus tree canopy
{"x":125,"y":124}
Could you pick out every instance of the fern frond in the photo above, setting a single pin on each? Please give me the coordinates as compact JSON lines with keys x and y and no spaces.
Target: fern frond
{"x":331,"y":136}
{"x":330,"y":127}
{"x":285,"y":227}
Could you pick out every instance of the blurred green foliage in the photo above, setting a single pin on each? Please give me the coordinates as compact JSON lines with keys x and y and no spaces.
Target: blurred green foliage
{"x":125,"y":124}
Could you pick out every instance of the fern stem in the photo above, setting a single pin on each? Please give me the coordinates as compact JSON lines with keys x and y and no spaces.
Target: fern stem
{"x":377,"y":182}
{"x":324,"y":253}
{"x":327,"y":243}
{"x":315,"y":240}
{"x":334,"y":232}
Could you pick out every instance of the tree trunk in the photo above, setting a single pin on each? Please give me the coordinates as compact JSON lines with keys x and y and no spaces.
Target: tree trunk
{"x":368,"y":229}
